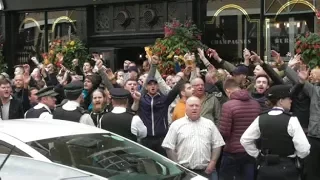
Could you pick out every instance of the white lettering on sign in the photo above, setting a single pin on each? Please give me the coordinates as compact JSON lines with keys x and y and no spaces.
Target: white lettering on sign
{"x":283,"y":41}
{"x":231,"y":41}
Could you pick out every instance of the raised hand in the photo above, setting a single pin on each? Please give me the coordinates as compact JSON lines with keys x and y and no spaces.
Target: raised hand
{"x":136,"y":95}
{"x":60,"y":57}
{"x":295,"y":60}
{"x":255,"y":58}
{"x":75,"y":62}
{"x":201,"y":53}
{"x":154,"y":60}
{"x":99,"y":64}
{"x":246,"y":54}
{"x":276,"y":56}
{"x":303,"y":72}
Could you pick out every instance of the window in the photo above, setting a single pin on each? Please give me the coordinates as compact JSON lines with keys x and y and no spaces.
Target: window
{"x":5,"y":148}
{"x":109,"y":155}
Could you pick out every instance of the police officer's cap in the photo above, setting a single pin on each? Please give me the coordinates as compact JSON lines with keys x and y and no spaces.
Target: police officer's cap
{"x":279,"y":92}
{"x":74,"y":88}
{"x":47,"y":91}
{"x":119,"y":93}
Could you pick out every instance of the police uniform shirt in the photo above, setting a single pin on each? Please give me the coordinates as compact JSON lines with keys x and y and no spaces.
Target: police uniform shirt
{"x":72,"y":106}
{"x":44,"y":115}
{"x":299,"y":139}
{"x":137,"y":126}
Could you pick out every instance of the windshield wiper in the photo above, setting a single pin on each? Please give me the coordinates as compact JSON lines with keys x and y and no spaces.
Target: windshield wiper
{"x":77,"y":177}
{"x":7,"y":157}
{"x":109,"y":150}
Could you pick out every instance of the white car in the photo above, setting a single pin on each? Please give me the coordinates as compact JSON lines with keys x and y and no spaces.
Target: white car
{"x":87,"y":148}
{"x":18,"y":167}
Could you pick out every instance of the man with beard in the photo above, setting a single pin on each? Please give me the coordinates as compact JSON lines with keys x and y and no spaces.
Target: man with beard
{"x":119,"y":120}
{"x":47,"y":102}
{"x":99,"y":106}
{"x":179,"y":111}
{"x":261,"y":85}
{"x":71,"y":110}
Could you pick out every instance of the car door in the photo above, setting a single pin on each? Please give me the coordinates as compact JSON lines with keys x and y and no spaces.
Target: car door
{"x":7,"y":142}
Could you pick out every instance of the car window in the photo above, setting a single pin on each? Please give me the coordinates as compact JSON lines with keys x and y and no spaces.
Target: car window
{"x":109,"y":155}
{"x":5,"y":148}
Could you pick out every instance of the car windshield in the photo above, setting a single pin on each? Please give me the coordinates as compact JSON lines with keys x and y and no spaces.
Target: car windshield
{"x":110,"y":156}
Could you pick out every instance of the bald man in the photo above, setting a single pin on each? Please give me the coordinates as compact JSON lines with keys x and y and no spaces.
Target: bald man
{"x":210,"y":105}
{"x":194,"y":141}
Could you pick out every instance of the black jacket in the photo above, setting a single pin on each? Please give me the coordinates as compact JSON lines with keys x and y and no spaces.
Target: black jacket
{"x":15,"y":109}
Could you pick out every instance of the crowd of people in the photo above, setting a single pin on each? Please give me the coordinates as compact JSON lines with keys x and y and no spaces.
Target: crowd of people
{"x":251,"y":121}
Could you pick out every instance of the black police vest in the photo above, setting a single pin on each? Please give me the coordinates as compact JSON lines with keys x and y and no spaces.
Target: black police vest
{"x":35,"y":113}
{"x":274,"y":134}
{"x":119,"y":124}
{"x":73,"y":116}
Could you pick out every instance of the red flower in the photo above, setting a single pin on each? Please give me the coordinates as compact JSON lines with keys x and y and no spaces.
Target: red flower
{"x":177,"y":51}
{"x":298,"y":51}
{"x":298,"y":42}
{"x":168,"y":31}
{"x":58,"y":64}
{"x":318,"y":14}
{"x":175,"y":24}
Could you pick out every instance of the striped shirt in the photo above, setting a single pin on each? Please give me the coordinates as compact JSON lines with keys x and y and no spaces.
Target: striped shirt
{"x":193,"y":141}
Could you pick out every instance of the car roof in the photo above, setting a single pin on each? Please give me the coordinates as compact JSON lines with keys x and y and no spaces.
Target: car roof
{"x":27,"y":130}
{"x":18,"y":167}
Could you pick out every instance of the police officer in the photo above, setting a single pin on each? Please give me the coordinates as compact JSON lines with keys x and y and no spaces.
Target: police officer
{"x":47,"y":102}
{"x":119,"y":120}
{"x":282,"y":138}
{"x":71,"y":110}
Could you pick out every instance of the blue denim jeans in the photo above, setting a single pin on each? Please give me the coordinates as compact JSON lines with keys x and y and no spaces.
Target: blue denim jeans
{"x":237,"y":166}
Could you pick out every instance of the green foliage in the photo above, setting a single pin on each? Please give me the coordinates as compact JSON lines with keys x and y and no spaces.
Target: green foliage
{"x":70,"y":49}
{"x":308,"y":46}
{"x":180,"y":38}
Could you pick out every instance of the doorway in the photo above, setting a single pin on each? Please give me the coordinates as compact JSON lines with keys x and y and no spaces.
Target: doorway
{"x":135,"y":54}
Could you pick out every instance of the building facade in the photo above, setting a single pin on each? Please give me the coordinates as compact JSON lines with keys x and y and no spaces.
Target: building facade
{"x":118,"y":29}
{"x":237,"y":24}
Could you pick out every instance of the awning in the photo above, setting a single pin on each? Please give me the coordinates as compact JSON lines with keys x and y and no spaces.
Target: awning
{"x":19,"y":5}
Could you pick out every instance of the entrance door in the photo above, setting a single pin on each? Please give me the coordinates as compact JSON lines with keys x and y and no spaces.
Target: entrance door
{"x":135,"y":54}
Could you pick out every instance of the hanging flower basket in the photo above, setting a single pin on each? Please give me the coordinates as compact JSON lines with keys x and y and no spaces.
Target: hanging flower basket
{"x":308,"y":46}
{"x":71,"y":49}
{"x":179,"y":39}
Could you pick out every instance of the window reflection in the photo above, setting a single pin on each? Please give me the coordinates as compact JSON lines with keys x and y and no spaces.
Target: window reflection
{"x":31,"y":36}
